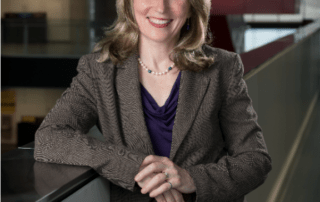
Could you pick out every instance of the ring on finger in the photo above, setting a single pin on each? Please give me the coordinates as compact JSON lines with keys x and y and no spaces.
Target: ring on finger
{"x":166,"y":174}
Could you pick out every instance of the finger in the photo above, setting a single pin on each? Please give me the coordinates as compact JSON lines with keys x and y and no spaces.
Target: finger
{"x":141,"y":168}
{"x":154,"y":183}
{"x":160,"y":190}
{"x":153,"y":163}
{"x":160,"y":198}
{"x":168,"y":196}
{"x":142,"y":183}
{"x":152,"y":168}
{"x":177,"y":195}
{"x":150,"y":159}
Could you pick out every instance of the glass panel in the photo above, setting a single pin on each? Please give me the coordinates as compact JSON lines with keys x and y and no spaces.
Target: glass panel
{"x":258,"y":37}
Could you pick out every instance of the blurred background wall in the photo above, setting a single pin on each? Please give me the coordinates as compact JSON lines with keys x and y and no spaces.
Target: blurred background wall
{"x":35,"y":72}
{"x":58,"y":10}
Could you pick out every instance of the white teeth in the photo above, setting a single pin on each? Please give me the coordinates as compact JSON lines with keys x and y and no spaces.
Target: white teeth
{"x":160,"y":22}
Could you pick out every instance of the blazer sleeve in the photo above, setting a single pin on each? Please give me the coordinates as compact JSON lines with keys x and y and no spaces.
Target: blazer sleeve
{"x":61,"y":137}
{"x":248,"y":163}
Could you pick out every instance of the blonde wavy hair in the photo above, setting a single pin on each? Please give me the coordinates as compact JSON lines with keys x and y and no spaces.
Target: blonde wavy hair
{"x":122,"y":37}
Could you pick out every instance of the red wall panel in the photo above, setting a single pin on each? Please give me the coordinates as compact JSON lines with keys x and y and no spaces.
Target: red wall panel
{"x":226,"y":7}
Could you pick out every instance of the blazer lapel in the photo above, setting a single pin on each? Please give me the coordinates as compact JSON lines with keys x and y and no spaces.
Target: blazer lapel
{"x":193,"y":87}
{"x":129,"y":92}
{"x":191,"y":91}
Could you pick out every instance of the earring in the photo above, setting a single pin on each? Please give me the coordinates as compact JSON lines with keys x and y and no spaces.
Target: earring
{"x":188,"y":26}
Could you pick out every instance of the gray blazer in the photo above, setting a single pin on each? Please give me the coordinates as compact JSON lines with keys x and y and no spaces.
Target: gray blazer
{"x":216,"y":136}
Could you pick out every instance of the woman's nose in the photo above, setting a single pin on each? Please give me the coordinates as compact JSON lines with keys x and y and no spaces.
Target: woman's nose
{"x":160,"y":5}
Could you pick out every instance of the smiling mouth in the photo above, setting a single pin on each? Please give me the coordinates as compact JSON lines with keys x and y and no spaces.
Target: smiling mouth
{"x":160,"y":19}
{"x":159,"y":23}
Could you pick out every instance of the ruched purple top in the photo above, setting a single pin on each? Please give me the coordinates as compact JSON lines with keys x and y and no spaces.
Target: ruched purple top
{"x":160,"y":120}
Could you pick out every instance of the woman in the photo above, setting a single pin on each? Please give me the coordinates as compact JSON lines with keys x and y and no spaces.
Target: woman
{"x":175,"y":113}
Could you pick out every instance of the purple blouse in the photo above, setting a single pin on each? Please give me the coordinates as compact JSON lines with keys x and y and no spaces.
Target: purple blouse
{"x":160,"y":120}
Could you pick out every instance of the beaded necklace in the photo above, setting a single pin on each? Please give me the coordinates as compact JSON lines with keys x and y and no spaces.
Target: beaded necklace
{"x":152,"y":72}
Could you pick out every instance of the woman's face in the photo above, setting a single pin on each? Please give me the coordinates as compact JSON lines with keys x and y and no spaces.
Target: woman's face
{"x":175,"y":10}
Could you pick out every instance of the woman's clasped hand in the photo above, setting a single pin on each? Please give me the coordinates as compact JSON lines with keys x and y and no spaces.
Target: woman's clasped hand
{"x":152,"y":179}
{"x":170,"y":195}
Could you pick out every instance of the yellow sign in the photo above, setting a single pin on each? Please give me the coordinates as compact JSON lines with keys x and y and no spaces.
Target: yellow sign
{"x":8,"y":101}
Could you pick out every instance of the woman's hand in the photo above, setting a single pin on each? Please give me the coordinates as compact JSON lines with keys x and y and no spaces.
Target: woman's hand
{"x":154,"y":167}
{"x":170,"y":195}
